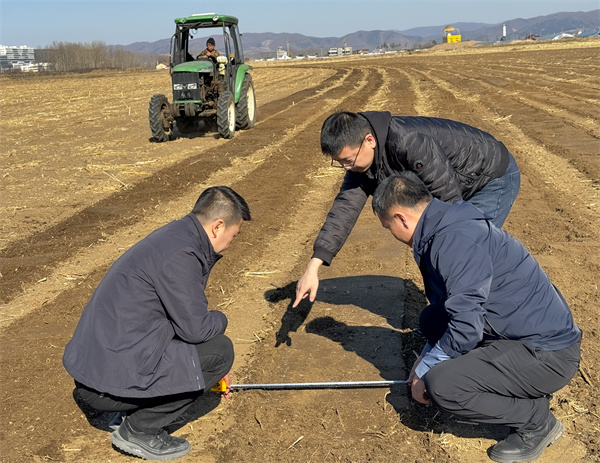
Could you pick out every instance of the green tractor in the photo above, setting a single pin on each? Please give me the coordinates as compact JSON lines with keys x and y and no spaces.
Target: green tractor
{"x":216,"y":91}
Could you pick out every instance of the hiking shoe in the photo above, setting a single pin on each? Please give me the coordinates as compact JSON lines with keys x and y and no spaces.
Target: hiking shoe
{"x":526,"y":446}
{"x":161,"y":446}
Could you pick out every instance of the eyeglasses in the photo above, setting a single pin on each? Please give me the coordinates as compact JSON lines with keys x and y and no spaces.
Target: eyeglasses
{"x":344,"y":163}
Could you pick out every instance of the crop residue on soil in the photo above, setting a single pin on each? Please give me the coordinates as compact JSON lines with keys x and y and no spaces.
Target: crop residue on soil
{"x":82,"y":182}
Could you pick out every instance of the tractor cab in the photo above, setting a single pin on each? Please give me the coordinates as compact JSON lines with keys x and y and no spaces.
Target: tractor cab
{"x":229,"y":43}
{"x":206,"y":89}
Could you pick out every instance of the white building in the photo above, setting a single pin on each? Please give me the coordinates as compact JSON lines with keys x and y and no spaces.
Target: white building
{"x":16,"y":56}
{"x":282,"y":54}
{"x":340,"y":51}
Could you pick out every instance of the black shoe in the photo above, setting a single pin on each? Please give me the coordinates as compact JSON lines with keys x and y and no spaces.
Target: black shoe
{"x":161,"y":446}
{"x":526,"y":446}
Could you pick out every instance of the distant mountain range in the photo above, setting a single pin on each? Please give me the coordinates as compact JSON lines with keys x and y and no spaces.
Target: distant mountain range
{"x":265,"y":44}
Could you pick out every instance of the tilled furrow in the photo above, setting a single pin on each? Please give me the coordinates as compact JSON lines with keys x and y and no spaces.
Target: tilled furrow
{"x":26,"y":260}
{"x":577,"y":113}
{"x":572,"y":137}
{"x":508,"y":120}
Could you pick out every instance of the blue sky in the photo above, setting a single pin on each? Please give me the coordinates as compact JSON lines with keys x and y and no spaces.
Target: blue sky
{"x":42,"y":22}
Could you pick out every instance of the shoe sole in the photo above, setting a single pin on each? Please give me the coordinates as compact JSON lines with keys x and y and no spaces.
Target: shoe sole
{"x":555,"y":434}
{"x":138,"y":451}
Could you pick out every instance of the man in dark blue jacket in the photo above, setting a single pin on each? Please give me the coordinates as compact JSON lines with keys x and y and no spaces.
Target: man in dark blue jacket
{"x":500,"y":336}
{"x":146,"y":343}
{"x":454,"y":160}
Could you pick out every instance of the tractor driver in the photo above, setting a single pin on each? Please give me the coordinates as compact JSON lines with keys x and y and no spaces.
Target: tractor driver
{"x":210,"y":51}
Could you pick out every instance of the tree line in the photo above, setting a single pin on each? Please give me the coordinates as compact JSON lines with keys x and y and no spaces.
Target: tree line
{"x":69,"y":57}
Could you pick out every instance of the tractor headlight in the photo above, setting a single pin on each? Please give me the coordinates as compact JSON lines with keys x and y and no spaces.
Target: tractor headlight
{"x":193,"y":86}
{"x":178,"y":86}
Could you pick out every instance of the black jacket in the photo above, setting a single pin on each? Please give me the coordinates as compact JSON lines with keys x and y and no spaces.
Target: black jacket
{"x":454,"y":160}
{"x":137,"y":333}
{"x":488,"y":282}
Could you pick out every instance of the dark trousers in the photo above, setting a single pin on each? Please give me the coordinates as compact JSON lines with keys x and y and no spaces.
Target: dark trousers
{"x":152,"y":414}
{"x":501,"y":381}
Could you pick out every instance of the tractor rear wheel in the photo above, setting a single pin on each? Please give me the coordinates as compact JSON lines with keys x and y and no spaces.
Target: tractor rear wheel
{"x":245,"y":114}
{"x":159,"y":115}
{"x":226,"y":115}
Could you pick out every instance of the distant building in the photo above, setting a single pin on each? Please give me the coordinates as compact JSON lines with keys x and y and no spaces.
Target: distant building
{"x":16,"y":57}
{"x":282,"y":54}
{"x":340,"y":51}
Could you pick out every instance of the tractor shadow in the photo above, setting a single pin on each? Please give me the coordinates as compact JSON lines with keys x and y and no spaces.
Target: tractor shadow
{"x":201,"y":129}
{"x":391,"y":350}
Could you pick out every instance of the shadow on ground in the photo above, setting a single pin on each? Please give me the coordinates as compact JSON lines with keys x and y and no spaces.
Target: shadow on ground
{"x":391,"y":350}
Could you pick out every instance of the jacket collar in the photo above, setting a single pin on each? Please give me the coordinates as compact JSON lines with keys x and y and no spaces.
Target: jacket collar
{"x":204,"y":242}
{"x":437,"y":216}
{"x":380,"y":123}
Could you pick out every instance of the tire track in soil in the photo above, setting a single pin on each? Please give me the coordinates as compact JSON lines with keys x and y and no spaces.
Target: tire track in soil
{"x":28,"y":351}
{"x":553,"y":102}
{"x":571,"y":182}
{"x":549,"y":63}
{"x":27,"y":260}
{"x":574,"y":137}
{"x":549,"y":91}
{"x":540,"y":87}
{"x":546,"y":77}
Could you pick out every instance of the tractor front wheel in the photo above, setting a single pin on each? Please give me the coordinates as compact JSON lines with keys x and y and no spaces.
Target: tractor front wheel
{"x":245,"y":115}
{"x":226,"y":115}
{"x":159,"y":115}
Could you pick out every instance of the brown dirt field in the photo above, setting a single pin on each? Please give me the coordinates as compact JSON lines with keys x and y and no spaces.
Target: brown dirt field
{"x":81,"y":182}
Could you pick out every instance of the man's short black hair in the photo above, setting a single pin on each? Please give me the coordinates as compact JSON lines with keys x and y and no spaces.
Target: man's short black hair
{"x":211,"y":41}
{"x":221,"y":202}
{"x":341,"y":129}
{"x":404,"y":189}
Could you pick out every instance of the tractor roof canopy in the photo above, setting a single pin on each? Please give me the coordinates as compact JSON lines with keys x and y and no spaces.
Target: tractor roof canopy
{"x":206,"y":20}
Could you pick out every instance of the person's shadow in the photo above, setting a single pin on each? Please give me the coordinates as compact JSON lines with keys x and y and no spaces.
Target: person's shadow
{"x":391,"y":350}
{"x":392,"y":298}
{"x":386,"y":296}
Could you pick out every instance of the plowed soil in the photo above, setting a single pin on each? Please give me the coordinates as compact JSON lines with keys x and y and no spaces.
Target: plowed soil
{"x":82,"y":182}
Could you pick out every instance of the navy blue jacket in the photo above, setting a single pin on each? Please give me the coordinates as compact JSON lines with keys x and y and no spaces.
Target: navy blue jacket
{"x":453,"y":159}
{"x":137,"y":333}
{"x":488,"y":282}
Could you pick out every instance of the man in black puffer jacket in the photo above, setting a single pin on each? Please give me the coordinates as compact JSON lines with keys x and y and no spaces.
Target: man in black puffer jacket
{"x":454,"y":160}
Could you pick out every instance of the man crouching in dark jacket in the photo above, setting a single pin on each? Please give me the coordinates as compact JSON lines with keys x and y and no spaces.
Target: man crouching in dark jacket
{"x":454,"y":160}
{"x":146,"y":343}
{"x":500,"y":336}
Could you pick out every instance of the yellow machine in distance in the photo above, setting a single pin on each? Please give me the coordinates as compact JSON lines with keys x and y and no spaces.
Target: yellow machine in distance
{"x":451,"y":34}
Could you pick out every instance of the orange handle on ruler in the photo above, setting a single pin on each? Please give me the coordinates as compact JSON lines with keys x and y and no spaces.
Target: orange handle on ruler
{"x":219,"y":387}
